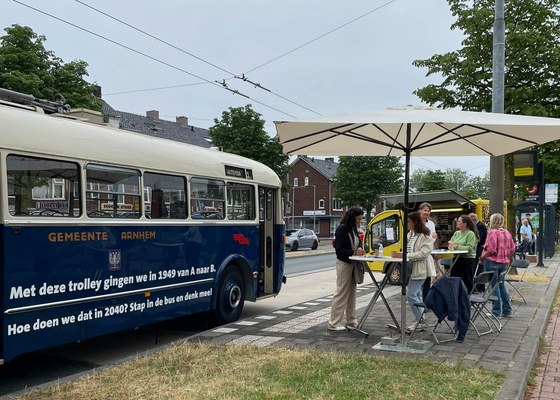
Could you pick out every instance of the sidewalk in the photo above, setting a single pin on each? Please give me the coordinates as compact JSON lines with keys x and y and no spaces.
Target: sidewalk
{"x":513,"y":351}
{"x":548,"y":365}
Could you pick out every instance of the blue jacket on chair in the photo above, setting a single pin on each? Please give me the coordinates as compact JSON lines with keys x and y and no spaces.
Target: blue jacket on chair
{"x":449,"y":298}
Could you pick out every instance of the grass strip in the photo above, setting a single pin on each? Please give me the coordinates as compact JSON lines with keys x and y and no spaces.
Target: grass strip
{"x":205,"y":371}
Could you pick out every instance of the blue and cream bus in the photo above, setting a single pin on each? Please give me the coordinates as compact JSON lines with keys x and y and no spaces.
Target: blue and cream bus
{"x":104,"y":230}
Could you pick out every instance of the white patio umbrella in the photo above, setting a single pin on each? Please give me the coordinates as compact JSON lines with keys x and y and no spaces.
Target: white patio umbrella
{"x":412,"y":131}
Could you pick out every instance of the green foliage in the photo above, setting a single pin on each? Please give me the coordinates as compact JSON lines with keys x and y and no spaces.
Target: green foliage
{"x":241,"y":131}
{"x":532,"y":64}
{"x":471,"y":187}
{"x":360,"y":180}
{"x":27,"y":67}
{"x":425,"y":180}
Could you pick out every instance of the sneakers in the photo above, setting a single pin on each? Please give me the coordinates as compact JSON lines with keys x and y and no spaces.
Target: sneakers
{"x":351,"y":327}
{"x":336,"y":328}
{"x":422,"y":326}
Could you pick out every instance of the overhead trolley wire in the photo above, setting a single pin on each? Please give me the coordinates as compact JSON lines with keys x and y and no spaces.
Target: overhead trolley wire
{"x":321,"y":36}
{"x":233,"y":75}
{"x":220,"y":85}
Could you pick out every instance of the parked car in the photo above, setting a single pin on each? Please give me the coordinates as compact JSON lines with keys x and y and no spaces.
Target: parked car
{"x":297,"y":238}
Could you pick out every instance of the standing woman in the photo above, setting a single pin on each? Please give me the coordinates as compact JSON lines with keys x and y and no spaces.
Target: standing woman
{"x":347,"y":243}
{"x":465,"y":238}
{"x":419,"y":248}
{"x":496,"y":256}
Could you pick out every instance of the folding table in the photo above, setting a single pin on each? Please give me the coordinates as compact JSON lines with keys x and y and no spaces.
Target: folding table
{"x":379,"y":293}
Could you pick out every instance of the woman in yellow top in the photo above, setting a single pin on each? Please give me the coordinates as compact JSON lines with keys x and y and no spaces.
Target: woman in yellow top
{"x":465,"y":238}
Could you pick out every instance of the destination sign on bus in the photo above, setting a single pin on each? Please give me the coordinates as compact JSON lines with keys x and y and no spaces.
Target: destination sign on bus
{"x":238,"y":172}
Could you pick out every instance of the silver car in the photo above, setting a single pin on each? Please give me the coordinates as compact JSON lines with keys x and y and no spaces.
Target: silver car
{"x":296,"y":238}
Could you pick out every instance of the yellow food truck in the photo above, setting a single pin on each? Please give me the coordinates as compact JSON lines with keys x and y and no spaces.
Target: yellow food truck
{"x":386,"y":228}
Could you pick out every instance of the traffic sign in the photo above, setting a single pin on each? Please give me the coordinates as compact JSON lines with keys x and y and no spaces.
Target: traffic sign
{"x":551,"y":193}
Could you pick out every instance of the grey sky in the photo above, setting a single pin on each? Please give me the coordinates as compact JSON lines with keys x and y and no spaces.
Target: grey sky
{"x":364,"y":65}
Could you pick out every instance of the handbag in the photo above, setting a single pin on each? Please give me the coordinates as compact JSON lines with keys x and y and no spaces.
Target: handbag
{"x":358,"y":271}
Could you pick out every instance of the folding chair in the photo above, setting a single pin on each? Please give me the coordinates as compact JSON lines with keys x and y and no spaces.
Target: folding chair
{"x":513,"y":282}
{"x":522,"y":249}
{"x":446,"y":264}
{"x":479,"y":303}
{"x":432,"y":329}
{"x":446,"y":308}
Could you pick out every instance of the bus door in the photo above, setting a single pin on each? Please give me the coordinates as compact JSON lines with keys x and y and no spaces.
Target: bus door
{"x":267,"y":223}
{"x":385,"y":228}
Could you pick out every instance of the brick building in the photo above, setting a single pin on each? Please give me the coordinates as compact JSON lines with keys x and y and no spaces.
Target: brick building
{"x":310,"y":201}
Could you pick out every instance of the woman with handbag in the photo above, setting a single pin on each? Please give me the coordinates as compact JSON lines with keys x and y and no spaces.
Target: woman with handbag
{"x":419,"y":248}
{"x":347,"y":243}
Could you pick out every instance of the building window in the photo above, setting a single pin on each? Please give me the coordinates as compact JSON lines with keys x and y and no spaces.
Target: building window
{"x":337,"y":204}
{"x":321,"y":204}
{"x":296,"y":183}
{"x":306,"y":183}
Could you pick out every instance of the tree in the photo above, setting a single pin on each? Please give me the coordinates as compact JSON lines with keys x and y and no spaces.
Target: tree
{"x":532,"y":64}
{"x":360,"y":180}
{"x":477,"y":187}
{"x":241,"y":131}
{"x":424,"y":180}
{"x":27,"y":67}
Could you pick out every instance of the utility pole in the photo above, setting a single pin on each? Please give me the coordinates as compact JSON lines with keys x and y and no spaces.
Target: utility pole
{"x":498,"y":64}
{"x":314,"y":187}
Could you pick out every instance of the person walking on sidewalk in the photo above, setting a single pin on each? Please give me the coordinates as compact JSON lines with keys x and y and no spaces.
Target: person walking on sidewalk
{"x":347,"y":243}
{"x":496,"y":255}
{"x":419,"y":248}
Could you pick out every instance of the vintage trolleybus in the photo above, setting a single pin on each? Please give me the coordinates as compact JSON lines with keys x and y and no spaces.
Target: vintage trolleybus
{"x":105,"y":230}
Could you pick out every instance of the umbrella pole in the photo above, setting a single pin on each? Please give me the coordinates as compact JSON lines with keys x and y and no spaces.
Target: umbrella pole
{"x":405,"y":224}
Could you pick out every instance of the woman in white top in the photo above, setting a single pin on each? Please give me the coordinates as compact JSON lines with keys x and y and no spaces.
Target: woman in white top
{"x":419,"y":248}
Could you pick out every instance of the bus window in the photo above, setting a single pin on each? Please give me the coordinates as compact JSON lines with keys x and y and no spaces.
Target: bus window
{"x":112,"y":192}
{"x":241,"y":201}
{"x":42,"y":187}
{"x":165,"y":196}
{"x":207,"y":198}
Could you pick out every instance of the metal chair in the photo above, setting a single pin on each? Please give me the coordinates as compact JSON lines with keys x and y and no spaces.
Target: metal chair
{"x":522,"y":249}
{"x":446,"y":264}
{"x":432,"y":329}
{"x":513,"y":282}
{"x":479,"y":303}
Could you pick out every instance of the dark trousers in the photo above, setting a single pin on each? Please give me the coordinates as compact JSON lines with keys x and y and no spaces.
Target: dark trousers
{"x":425,"y":287}
{"x":464,"y":269}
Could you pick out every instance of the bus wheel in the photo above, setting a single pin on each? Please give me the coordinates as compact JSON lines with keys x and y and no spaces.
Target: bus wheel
{"x":231,"y":297}
{"x":395,"y":274}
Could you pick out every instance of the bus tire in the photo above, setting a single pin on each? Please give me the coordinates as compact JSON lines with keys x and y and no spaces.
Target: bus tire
{"x":231,"y":297}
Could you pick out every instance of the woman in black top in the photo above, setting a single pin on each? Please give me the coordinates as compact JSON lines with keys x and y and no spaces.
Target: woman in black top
{"x":347,"y":243}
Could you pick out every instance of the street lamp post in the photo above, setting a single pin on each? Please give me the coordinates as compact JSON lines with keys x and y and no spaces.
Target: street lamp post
{"x":314,"y":187}
{"x":293,"y":207}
